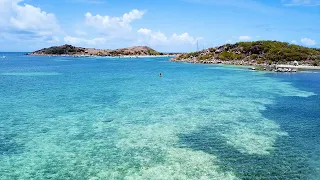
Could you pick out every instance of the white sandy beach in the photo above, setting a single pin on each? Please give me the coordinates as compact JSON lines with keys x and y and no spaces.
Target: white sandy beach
{"x":299,"y":67}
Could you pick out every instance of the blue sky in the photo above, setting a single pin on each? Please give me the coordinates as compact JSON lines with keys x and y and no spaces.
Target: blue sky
{"x":165,"y":25}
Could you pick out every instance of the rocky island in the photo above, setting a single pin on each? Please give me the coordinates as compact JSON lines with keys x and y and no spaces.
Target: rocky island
{"x":69,"y":50}
{"x":264,"y":55}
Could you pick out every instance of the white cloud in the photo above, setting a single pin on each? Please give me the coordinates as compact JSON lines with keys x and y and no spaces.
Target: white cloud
{"x":27,"y":20}
{"x":308,"y":41}
{"x":229,"y":41}
{"x":134,"y":14}
{"x":144,"y":31}
{"x":81,"y":33}
{"x":30,"y":18}
{"x":113,"y":26}
{"x":294,"y":42}
{"x":301,"y":2}
{"x":150,"y":37}
{"x":245,"y":38}
{"x":77,"y":41}
{"x":184,"y":38}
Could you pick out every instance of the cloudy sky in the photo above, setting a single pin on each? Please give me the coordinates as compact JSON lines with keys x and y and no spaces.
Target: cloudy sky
{"x":165,"y":25}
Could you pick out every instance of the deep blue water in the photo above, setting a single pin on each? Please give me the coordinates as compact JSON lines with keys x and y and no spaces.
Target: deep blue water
{"x":104,"y":118}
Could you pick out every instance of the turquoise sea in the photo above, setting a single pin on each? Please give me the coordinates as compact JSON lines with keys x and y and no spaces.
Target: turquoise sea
{"x":103,"y":118}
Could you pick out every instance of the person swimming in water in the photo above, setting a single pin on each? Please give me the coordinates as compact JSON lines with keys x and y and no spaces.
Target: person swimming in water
{"x":160,"y":75}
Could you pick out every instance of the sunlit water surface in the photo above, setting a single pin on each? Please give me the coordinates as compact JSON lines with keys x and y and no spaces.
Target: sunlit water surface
{"x":104,"y":118}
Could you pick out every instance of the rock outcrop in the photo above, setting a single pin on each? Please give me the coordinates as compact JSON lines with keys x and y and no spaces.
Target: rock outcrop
{"x":80,"y":51}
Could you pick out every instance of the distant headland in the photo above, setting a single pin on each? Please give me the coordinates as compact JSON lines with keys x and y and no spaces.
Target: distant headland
{"x":264,"y":55}
{"x":69,"y":50}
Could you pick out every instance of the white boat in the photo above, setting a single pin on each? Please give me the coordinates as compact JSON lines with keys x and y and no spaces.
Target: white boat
{"x":3,"y":57}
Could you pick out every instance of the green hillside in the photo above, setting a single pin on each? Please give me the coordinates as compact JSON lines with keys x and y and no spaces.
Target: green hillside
{"x":260,"y":52}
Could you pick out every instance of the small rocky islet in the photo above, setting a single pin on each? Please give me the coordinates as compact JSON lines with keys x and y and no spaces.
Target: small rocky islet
{"x":69,"y":50}
{"x":261,"y":55}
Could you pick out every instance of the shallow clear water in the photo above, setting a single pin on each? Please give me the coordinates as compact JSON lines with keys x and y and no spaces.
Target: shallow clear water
{"x":99,"y":118}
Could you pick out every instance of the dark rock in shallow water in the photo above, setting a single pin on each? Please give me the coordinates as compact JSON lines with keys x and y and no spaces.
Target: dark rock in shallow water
{"x":8,"y":146}
{"x":107,"y":120}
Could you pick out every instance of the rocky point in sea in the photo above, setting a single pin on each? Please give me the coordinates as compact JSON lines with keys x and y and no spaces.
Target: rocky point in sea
{"x":263,"y":55}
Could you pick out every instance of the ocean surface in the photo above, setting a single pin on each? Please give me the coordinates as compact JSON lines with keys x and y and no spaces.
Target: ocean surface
{"x":103,"y":118}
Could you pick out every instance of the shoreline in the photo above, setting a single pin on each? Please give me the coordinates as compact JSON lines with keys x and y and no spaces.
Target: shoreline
{"x":253,"y":66}
{"x":302,"y":67}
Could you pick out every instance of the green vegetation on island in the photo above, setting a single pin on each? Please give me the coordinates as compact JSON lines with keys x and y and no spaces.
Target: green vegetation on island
{"x":65,"y":49}
{"x":255,"y":53}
